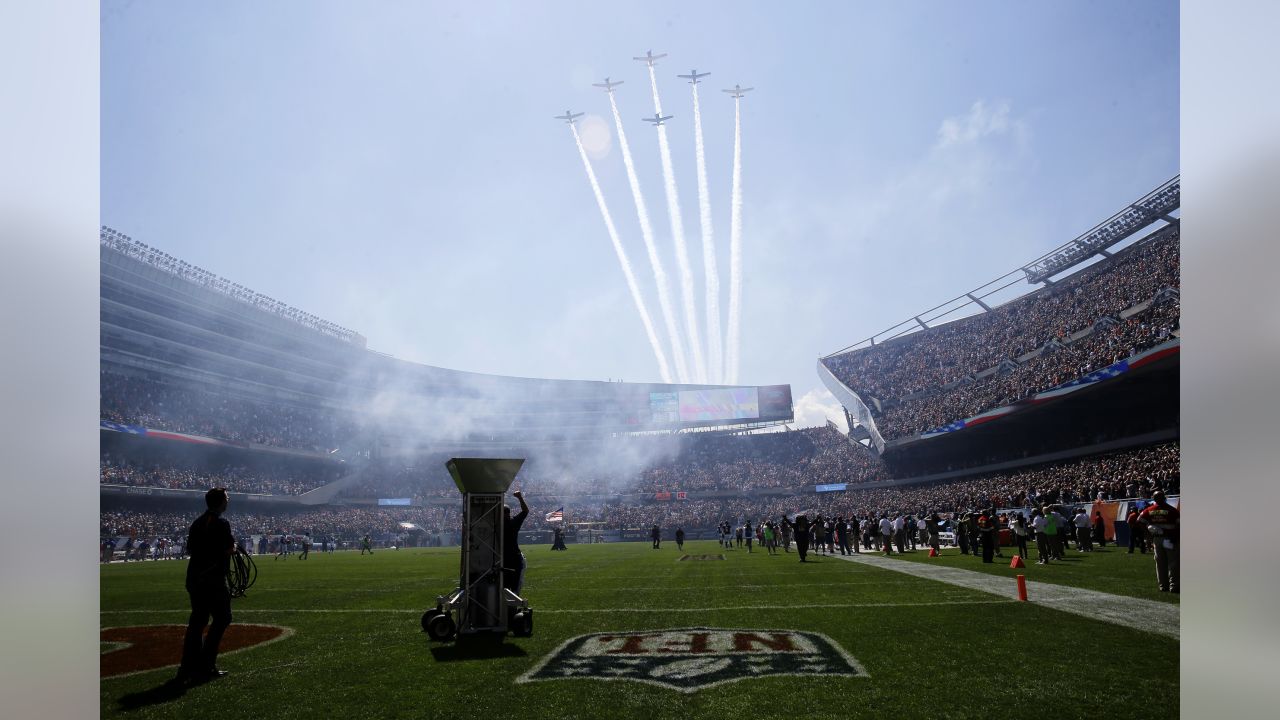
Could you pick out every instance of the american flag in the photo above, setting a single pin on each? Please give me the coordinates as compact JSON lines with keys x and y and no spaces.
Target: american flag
{"x":556,"y":515}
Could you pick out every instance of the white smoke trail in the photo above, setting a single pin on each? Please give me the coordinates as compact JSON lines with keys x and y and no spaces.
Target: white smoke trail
{"x":663,"y":368}
{"x":646,"y":231}
{"x":714,"y":357}
{"x":677,"y":236}
{"x":735,"y":249}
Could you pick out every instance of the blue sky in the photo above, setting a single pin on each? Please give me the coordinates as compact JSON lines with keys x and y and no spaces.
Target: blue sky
{"x":394,"y":168}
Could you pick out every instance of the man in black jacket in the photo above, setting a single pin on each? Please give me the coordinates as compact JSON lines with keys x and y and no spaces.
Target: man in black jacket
{"x":210,"y":545}
{"x":512,"y":559}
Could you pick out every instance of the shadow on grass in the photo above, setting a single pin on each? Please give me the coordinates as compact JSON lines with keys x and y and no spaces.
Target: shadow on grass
{"x":476,"y":648}
{"x":169,"y":691}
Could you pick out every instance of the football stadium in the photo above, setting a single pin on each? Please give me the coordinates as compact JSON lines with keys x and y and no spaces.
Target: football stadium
{"x":985,"y":523}
{"x":208,"y":384}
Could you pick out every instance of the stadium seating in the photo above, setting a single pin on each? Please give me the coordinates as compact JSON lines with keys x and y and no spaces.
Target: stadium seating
{"x":909,"y":376}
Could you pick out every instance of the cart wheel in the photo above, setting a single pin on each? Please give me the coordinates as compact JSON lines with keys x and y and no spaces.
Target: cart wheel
{"x":441,"y":627}
{"x":426,"y":618}
{"x":523,"y":624}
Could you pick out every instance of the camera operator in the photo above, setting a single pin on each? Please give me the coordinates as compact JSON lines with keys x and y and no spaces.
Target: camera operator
{"x":512,"y":559}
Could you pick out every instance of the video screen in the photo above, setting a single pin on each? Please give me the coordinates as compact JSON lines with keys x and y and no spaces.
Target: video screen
{"x":719,"y":404}
{"x":664,"y":407}
{"x":775,"y":402}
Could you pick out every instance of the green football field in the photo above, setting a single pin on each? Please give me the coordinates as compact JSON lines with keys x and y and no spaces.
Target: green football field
{"x":892,"y":644}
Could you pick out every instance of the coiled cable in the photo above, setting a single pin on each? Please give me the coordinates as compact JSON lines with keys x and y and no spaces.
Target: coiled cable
{"x":242,"y":573}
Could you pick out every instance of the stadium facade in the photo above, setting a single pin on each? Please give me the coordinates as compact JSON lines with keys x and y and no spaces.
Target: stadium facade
{"x":176,"y":338}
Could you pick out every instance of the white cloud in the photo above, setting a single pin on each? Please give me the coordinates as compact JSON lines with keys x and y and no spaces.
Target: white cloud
{"x":818,"y":406}
{"x":978,"y":123}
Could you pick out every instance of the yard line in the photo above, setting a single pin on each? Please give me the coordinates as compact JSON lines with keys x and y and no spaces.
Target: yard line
{"x":1137,"y":613}
{"x":553,"y":611}
{"x":729,"y":586}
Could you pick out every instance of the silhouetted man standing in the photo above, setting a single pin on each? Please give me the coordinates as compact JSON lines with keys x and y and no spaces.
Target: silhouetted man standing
{"x":210,"y":545}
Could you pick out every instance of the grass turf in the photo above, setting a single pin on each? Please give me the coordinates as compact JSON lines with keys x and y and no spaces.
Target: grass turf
{"x":358,"y":652}
{"x":1111,"y":569}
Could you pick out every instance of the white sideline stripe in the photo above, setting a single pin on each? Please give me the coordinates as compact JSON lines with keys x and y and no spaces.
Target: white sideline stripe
{"x":732,"y":586}
{"x":542,"y":611}
{"x":1137,"y":613}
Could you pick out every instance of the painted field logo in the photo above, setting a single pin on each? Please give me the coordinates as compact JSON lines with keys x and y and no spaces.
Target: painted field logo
{"x":142,"y":648}
{"x":690,"y":659}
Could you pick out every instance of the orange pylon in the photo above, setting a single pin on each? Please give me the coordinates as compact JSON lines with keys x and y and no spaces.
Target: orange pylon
{"x":1017,"y":562}
{"x":933,"y":552}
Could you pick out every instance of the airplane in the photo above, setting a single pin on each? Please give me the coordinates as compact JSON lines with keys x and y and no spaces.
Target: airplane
{"x":693,"y":76}
{"x":568,"y":117}
{"x":657,"y":119}
{"x":737,"y":91}
{"x":650,"y":58}
{"x":607,"y":85}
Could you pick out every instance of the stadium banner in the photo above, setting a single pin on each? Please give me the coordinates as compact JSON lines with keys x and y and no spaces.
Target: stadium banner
{"x":395,"y":501}
{"x":1111,"y":511}
{"x":831,"y":487}
{"x":1097,"y":376}
{"x":852,"y":403}
{"x":122,"y":428}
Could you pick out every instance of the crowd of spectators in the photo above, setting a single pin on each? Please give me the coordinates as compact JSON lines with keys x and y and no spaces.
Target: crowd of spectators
{"x":1129,"y":474}
{"x":162,"y":406}
{"x":944,"y":354}
{"x":268,"y":480}
{"x":342,"y":523}
{"x":808,"y":456}
{"x":1103,"y":347}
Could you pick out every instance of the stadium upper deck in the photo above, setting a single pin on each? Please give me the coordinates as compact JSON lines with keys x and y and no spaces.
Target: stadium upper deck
{"x":916,"y":382}
{"x":187,"y":351}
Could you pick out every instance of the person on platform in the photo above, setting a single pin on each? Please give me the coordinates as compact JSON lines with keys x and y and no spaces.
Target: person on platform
{"x":210,"y":545}
{"x":1162,"y":521}
{"x":512,"y":559}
